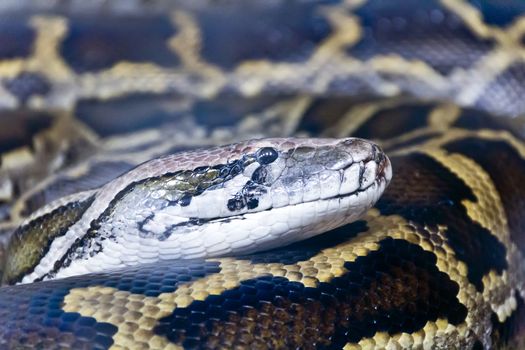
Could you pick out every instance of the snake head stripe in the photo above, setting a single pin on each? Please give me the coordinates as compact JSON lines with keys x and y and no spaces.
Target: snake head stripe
{"x":221,"y":201}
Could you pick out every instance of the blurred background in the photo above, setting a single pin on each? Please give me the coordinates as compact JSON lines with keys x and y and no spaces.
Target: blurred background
{"x":89,"y":90}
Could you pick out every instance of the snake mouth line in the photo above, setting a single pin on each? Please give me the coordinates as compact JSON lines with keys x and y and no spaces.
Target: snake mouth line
{"x":199,"y":222}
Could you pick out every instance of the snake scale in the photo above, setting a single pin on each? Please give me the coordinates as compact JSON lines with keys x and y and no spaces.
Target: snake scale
{"x":89,"y":91}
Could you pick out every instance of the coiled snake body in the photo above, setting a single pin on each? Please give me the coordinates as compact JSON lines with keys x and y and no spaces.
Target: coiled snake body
{"x":90,"y":92}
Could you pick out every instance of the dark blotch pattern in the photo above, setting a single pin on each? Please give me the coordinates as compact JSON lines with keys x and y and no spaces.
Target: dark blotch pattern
{"x":227,"y":110}
{"x":94,"y":44}
{"x":506,"y":168}
{"x":32,"y":315}
{"x":247,"y":197}
{"x":324,"y":113}
{"x":132,"y":113}
{"x":43,"y":325}
{"x":16,"y":37}
{"x":28,"y":84}
{"x":472,"y":119}
{"x":407,"y":118}
{"x":154,"y":279}
{"x":169,"y":111}
{"x":402,"y":28}
{"x":435,"y":199}
{"x":499,"y":13}
{"x":395,"y":289}
{"x":260,"y":175}
{"x":281,"y":31}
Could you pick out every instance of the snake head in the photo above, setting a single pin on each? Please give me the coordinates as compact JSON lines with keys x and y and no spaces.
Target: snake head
{"x":253,"y":195}
{"x":228,"y":200}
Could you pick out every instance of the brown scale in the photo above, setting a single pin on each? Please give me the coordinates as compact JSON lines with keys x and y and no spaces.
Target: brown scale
{"x":31,"y":242}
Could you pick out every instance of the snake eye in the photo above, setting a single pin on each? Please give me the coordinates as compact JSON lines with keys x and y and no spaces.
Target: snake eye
{"x":266,"y":155}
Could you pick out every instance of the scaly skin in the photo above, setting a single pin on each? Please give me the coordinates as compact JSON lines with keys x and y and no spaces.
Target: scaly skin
{"x":437,"y":264}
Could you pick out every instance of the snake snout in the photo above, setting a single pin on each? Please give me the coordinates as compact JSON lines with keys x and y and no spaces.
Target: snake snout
{"x":369,"y":166}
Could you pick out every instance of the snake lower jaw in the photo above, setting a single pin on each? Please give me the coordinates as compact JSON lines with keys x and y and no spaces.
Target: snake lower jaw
{"x":295,"y":222}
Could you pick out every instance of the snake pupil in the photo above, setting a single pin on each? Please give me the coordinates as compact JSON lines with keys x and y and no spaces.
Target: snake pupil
{"x":266,"y":155}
